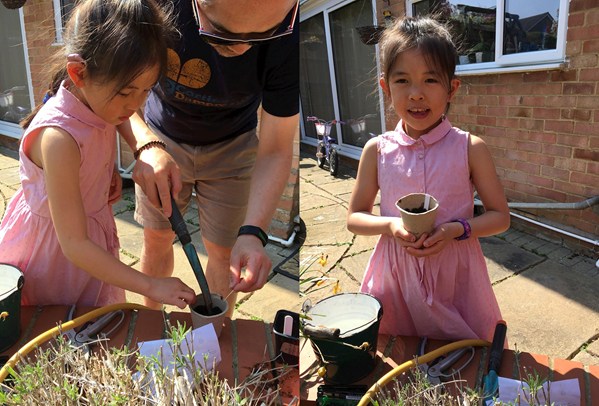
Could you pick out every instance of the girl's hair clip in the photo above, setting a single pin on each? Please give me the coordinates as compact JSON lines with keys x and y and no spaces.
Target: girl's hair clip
{"x":75,"y":58}
{"x":47,"y":97}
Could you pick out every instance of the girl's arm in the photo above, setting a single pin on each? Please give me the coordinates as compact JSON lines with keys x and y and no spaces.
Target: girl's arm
{"x":360,"y":219}
{"x":58,"y":155}
{"x":156,"y":172}
{"x":496,"y":217}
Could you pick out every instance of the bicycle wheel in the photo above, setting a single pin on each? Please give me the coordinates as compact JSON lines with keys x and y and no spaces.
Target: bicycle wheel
{"x":334,"y":161}
{"x":321,"y":154}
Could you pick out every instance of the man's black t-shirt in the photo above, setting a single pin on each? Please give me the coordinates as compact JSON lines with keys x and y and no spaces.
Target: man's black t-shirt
{"x":206,"y":98}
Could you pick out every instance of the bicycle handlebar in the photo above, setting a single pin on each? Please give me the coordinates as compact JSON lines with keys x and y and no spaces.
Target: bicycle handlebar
{"x":321,"y":121}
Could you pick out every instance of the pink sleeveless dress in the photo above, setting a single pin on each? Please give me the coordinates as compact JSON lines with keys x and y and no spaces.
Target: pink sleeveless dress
{"x":27,"y":236}
{"x":448,"y":295}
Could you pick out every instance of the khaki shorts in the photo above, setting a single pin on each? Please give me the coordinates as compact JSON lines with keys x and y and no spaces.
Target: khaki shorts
{"x":220,"y":174}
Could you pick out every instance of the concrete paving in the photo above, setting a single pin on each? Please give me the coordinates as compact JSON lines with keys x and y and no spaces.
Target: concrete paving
{"x":547,"y":293}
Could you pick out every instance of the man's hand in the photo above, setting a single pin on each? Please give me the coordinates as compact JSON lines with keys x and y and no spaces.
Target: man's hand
{"x":158,"y":175}
{"x":249,"y":253}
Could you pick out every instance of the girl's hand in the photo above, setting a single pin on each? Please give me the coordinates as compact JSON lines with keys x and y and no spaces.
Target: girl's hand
{"x":433,"y":244}
{"x":404,"y":237}
{"x":158,"y":175}
{"x":171,"y":291}
{"x":116,"y":187}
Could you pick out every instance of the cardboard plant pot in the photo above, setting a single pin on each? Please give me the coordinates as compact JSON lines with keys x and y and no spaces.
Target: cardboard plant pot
{"x":199,"y":317}
{"x":415,"y":217}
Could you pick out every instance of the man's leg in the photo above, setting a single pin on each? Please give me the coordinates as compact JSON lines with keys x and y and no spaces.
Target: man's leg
{"x":157,"y":258}
{"x":218,"y":274}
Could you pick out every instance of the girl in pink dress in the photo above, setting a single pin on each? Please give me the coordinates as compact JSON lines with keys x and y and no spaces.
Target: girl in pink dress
{"x":59,"y":227}
{"x":437,"y":285}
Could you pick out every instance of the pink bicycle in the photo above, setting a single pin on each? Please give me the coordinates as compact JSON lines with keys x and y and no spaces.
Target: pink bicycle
{"x":327,"y":149}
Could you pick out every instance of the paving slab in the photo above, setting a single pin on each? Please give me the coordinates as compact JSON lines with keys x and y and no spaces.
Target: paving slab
{"x":548,"y":310}
{"x":280,"y":292}
{"x":327,"y":225}
{"x":504,"y":259}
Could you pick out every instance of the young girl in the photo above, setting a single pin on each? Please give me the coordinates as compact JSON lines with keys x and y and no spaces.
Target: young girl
{"x":59,"y":227}
{"x":437,"y":285}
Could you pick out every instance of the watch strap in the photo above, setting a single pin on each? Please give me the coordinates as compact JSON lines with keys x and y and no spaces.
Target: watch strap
{"x":255,"y":231}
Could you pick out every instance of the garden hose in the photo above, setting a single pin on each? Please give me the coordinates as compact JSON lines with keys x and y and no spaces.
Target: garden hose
{"x":428,"y":357}
{"x":42,"y":338}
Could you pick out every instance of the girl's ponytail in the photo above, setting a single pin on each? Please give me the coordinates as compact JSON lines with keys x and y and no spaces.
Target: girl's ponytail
{"x":60,"y":74}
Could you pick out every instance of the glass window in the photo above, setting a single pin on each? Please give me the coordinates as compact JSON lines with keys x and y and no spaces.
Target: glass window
{"x":338,"y":78}
{"x":498,"y":33}
{"x":62,"y":12}
{"x":15,"y":103}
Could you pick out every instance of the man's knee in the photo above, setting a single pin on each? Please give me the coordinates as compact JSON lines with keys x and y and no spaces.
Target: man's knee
{"x":158,"y":235}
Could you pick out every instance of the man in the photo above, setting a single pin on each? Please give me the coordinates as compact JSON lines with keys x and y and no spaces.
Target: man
{"x":232,"y":56}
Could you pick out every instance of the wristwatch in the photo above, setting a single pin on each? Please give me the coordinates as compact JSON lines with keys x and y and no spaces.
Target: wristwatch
{"x":467,"y":229}
{"x":256,"y":231}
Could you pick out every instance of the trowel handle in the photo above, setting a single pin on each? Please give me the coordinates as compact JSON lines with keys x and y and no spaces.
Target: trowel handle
{"x":321,"y":332}
{"x":178,"y":224}
{"x":497,"y":346}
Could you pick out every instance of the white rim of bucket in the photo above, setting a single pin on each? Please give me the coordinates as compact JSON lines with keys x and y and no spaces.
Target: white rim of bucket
{"x":345,"y":304}
{"x":9,"y":280}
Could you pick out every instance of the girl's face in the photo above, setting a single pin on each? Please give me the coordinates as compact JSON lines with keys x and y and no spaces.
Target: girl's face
{"x":117,"y":109}
{"x":418,"y":93}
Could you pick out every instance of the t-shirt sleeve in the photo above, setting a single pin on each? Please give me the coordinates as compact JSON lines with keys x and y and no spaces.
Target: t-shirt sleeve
{"x":281,"y":91}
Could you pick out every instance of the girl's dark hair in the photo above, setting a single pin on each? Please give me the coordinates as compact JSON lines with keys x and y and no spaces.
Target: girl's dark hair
{"x":117,"y":39}
{"x":422,"y":33}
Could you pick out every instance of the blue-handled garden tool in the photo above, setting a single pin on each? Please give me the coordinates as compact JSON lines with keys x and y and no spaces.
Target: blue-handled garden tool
{"x":179,"y":227}
{"x":490,"y":381}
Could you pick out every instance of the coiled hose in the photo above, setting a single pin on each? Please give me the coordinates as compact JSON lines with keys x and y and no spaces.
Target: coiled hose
{"x":423,"y":359}
{"x":45,"y":336}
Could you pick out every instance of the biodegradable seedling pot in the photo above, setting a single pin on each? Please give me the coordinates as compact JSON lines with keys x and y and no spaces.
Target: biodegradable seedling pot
{"x":416,"y":218}
{"x":199,"y":316}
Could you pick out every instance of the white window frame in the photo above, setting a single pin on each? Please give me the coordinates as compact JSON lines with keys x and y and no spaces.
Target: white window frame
{"x":58,"y":28}
{"x":526,"y":61}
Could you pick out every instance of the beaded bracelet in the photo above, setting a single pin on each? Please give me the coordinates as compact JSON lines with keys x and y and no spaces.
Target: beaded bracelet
{"x":467,"y":229}
{"x":148,"y":145}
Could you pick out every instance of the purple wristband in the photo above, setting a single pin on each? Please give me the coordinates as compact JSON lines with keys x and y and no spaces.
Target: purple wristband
{"x":467,"y":229}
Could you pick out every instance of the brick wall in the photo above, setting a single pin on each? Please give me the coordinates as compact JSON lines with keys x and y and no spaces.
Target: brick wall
{"x":41,"y":35}
{"x":542,"y":127}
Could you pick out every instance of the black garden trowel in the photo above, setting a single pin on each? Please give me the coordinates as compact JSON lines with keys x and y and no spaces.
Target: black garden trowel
{"x":179,"y":227}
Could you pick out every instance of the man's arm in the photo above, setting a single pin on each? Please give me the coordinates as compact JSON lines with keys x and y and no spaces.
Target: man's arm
{"x":270,"y":175}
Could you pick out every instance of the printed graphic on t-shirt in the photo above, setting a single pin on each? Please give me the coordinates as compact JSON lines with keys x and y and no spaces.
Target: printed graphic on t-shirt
{"x":183,"y":81}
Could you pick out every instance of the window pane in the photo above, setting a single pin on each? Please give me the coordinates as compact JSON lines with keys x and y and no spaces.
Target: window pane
{"x":530,"y":26}
{"x":471,"y":22}
{"x":14,"y":93}
{"x":315,"y":83}
{"x":357,"y":90}
{"x":65,"y":10}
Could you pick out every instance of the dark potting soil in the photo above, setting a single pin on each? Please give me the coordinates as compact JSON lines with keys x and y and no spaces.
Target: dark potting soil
{"x":201,"y":309}
{"x":417,"y":210}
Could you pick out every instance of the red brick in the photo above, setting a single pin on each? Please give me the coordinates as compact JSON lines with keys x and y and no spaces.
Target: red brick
{"x":569,"y":75}
{"x":557,"y":150}
{"x":576,"y":114}
{"x":561,"y":126}
{"x":588,"y":179}
{"x":579,"y":88}
{"x":555,"y":173}
{"x":572,"y":140}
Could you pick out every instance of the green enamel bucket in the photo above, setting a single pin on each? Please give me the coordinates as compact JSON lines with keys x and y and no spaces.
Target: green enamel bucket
{"x":343,"y":330}
{"x":11,"y":284}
